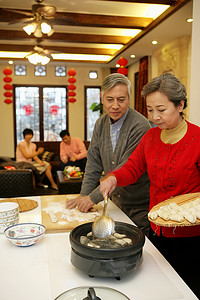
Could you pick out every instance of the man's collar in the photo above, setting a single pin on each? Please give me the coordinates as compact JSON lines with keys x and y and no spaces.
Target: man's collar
{"x":121,"y":119}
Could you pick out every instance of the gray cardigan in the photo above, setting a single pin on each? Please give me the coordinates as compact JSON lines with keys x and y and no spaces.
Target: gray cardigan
{"x":133,"y":199}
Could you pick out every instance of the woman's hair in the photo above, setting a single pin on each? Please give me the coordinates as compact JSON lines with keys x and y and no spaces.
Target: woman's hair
{"x":168,"y":85}
{"x":27,"y":131}
{"x":114,"y":79}
{"x":64,"y":133}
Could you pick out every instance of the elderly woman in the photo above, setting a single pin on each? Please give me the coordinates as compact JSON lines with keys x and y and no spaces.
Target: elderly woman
{"x":26,"y":152}
{"x":170,"y":153}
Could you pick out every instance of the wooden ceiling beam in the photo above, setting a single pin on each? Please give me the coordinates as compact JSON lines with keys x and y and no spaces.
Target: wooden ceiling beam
{"x":106,"y":21}
{"x":166,"y":2}
{"x":76,"y":50}
{"x":85,"y":20}
{"x":67,"y":37}
{"x":170,"y":11}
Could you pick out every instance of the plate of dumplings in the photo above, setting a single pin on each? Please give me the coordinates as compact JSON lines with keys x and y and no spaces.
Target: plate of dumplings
{"x":183,"y":210}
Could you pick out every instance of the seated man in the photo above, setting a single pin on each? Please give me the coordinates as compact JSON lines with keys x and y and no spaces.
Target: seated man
{"x":72,"y":151}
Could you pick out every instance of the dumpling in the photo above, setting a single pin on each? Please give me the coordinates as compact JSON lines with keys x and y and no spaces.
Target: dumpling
{"x":177,"y":217}
{"x":190,"y":217}
{"x":198,"y":214}
{"x":173,"y":205}
{"x":153,"y":215}
{"x":164,"y":215}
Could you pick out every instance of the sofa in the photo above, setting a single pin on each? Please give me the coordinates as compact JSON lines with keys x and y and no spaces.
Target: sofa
{"x":16,"y":183}
{"x":52,"y":153}
{"x":20,"y":182}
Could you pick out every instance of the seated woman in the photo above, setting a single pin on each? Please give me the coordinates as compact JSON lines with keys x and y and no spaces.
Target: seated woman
{"x":26,"y":152}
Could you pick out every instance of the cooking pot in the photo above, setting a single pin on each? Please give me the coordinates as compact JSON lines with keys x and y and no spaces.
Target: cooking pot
{"x":90,"y":293}
{"x":100,"y":262}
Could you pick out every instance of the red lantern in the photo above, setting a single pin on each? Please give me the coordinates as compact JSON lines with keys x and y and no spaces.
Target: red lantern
{"x":8,"y":101}
{"x":71,"y":94}
{"x":122,"y":70}
{"x":71,"y":72}
{"x":54,"y":110}
{"x":72,"y":100}
{"x":7,"y":71}
{"x":122,"y":61}
{"x":7,"y":79}
{"x":8,"y":86}
{"x":28,"y":109}
{"x":72,"y":80}
{"x":8,"y":94}
{"x":71,"y":87}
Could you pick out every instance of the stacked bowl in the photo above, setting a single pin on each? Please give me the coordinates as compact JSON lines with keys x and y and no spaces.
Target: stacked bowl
{"x":9,"y":215}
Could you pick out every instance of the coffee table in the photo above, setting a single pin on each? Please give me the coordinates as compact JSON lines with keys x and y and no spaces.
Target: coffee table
{"x":68,"y":185}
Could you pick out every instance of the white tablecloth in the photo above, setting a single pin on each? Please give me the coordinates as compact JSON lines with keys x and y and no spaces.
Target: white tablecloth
{"x":44,"y":271}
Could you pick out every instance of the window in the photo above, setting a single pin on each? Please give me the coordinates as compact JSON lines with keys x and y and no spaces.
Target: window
{"x":41,"y":108}
{"x":93,"y":74}
{"x":92,"y":98}
{"x":60,"y":71}
{"x":20,"y":70}
{"x":40,"y":70}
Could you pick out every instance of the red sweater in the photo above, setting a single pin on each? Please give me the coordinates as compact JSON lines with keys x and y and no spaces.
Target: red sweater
{"x":173,"y":169}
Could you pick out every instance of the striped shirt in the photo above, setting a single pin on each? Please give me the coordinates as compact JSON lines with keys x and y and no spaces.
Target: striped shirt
{"x":115,"y":130}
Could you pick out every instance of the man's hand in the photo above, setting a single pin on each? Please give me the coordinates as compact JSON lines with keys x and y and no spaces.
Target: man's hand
{"x":84,"y":203}
{"x":73,"y":158}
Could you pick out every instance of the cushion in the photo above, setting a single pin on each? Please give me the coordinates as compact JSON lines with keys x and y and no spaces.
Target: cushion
{"x":47,"y":156}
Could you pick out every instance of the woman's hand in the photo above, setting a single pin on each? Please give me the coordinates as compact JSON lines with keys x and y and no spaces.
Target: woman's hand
{"x":84,"y":203}
{"x":40,"y":150}
{"x":108,"y":185}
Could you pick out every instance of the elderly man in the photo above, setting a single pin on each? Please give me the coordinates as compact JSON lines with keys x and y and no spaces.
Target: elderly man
{"x":115,"y":136}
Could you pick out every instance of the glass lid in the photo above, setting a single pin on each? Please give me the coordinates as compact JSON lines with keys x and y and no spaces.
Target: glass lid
{"x":92,"y":293}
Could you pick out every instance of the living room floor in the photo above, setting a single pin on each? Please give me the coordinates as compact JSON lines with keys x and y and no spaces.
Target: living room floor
{"x":45,"y":191}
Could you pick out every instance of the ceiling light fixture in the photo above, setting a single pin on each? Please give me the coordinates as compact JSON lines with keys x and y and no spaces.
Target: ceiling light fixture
{"x":36,"y":58}
{"x":38,"y":28}
{"x":189,"y":20}
{"x":154,"y":42}
{"x":39,"y":56}
{"x":132,"y":55}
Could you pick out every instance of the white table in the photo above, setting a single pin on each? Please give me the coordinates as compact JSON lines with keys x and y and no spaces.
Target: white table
{"x":44,"y":271}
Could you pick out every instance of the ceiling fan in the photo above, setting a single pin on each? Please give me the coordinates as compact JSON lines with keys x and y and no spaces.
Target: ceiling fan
{"x":41,"y":14}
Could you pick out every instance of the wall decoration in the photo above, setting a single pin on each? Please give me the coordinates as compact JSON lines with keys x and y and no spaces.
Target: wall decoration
{"x":71,"y":87}
{"x":122,"y":62}
{"x":53,"y":109}
{"x":8,"y":87}
{"x":28,"y":109}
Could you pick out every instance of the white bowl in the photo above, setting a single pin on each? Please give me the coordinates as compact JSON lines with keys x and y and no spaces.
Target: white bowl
{"x":25,"y":234}
{"x":4,"y":226}
{"x":8,"y":209}
{"x":9,"y":219}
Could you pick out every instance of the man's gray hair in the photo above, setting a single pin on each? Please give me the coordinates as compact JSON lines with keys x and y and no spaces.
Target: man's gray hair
{"x":114,"y":79}
{"x":168,"y":85}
